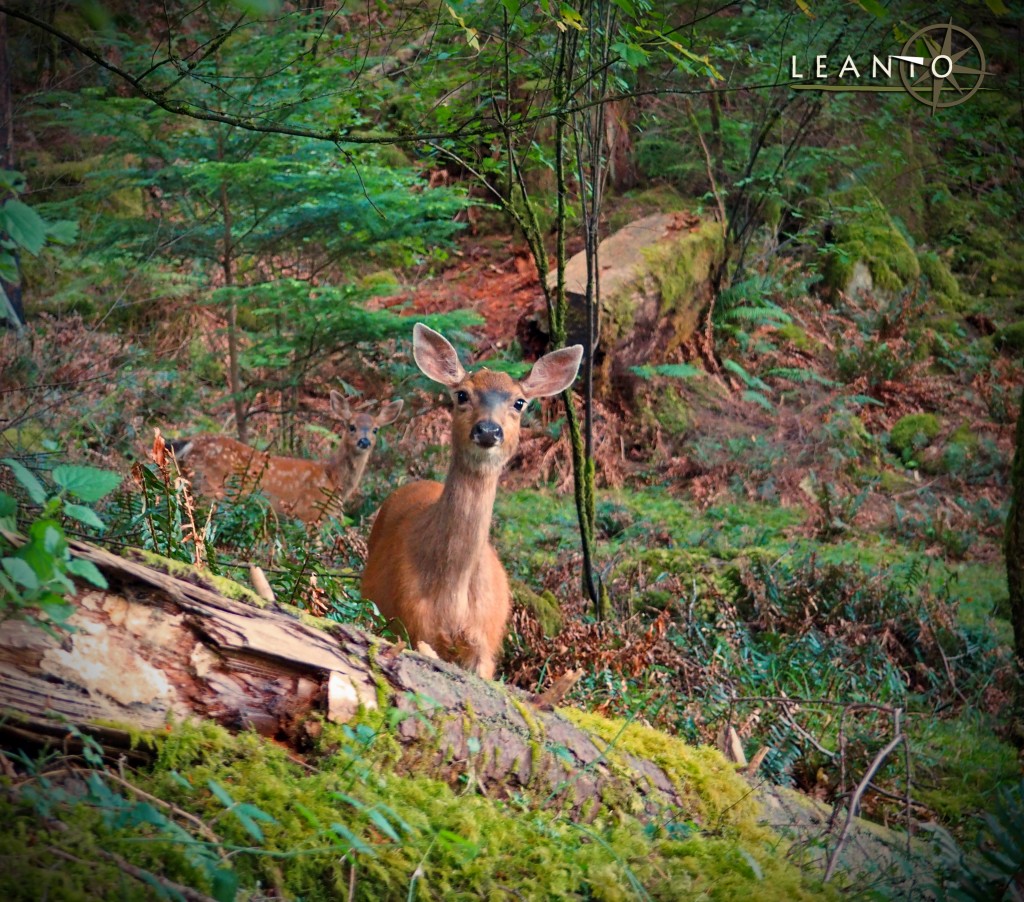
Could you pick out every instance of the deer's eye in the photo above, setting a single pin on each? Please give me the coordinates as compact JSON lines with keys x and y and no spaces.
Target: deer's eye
{"x":462,"y":396}
{"x":520,"y":404}
{"x":351,"y":427}
{"x":374,"y":430}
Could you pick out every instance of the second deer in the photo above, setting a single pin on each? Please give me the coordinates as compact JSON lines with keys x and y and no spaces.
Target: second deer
{"x":431,"y":565}
{"x":307,"y":489}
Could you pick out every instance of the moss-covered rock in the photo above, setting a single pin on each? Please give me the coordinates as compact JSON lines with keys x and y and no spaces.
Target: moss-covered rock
{"x":912,"y":433}
{"x":944,"y":288}
{"x":866,"y":234}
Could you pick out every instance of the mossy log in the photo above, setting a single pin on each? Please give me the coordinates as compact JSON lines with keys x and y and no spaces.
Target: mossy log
{"x":157,"y":648}
{"x":165,"y":644}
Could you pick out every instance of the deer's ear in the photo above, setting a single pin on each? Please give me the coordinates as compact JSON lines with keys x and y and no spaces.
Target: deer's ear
{"x":388,"y":413}
{"x":553,"y":373}
{"x":339,"y":405}
{"x":435,"y":357}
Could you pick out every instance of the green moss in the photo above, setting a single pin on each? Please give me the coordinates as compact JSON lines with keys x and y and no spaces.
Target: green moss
{"x":382,"y":281}
{"x":913,"y":432}
{"x":718,"y":801}
{"x":1011,"y":339}
{"x":945,"y":289}
{"x":221,"y":584}
{"x":792,"y":334}
{"x":400,"y":836}
{"x":960,"y":764}
{"x":544,"y":606}
{"x":679,"y":268}
{"x":867,"y":234}
{"x":638,"y":204}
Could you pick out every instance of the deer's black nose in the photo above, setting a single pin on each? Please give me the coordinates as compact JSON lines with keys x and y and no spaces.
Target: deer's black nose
{"x":487,"y":434}
{"x":363,"y":443}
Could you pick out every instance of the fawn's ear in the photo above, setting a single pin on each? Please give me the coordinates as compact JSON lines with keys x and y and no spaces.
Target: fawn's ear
{"x":435,"y":357}
{"x":388,"y":413}
{"x":553,"y":373}
{"x":339,"y":406}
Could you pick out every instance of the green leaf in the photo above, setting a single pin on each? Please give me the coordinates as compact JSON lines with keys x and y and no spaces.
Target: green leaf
{"x":88,"y":571}
{"x":220,"y":793}
{"x":248,"y":815}
{"x":758,"y":399}
{"x":21,"y":572}
{"x":84,"y":515}
{"x":355,"y":843}
{"x":9,"y":268}
{"x":24,"y":225}
{"x":872,"y":6}
{"x":225,"y":884}
{"x":383,"y":824}
{"x":673,"y":370}
{"x":998,"y":7}
{"x":87,"y":483}
{"x":8,"y":510}
{"x":63,"y":231}
{"x":28,"y":480}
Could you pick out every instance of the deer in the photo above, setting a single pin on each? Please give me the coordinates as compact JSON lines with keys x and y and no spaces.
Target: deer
{"x":309,"y":490}
{"x":430,"y":565}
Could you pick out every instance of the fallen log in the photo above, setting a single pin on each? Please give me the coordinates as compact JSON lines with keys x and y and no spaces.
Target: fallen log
{"x":159,"y":647}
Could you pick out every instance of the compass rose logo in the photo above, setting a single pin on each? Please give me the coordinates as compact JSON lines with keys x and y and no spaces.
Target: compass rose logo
{"x":951,"y":73}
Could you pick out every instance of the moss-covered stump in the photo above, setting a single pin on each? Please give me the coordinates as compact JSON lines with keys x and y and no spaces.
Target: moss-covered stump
{"x":657,"y":277}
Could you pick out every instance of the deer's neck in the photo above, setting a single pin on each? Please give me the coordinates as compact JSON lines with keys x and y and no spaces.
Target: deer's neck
{"x":458,"y":529}
{"x":345,"y":469}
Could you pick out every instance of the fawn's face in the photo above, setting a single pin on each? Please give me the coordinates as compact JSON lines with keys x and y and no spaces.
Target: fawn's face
{"x":359,"y":430}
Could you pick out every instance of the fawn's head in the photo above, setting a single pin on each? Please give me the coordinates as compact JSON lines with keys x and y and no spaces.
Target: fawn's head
{"x":487,"y":406}
{"x":359,"y":434}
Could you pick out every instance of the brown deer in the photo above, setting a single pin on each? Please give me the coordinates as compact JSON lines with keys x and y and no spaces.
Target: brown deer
{"x":431,"y":566}
{"x":307,"y":489}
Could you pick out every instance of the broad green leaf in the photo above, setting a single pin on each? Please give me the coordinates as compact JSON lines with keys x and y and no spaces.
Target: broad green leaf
{"x":11,"y":180}
{"x":8,"y":507}
{"x":84,"y":515}
{"x":86,"y":483}
{"x":63,"y":231}
{"x":27,"y":479}
{"x":88,"y":571}
{"x":998,"y":7}
{"x":56,"y":608}
{"x":633,"y":55}
{"x":24,"y":225}
{"x":21,"y":572}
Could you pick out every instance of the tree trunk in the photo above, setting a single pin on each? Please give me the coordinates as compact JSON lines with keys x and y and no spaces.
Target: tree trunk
{"x":155,"y":646}
{"x":1015,"y":565}
{"x":11,"y":307}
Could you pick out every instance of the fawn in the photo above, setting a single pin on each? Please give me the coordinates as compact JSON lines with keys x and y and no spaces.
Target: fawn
{"x":431,"y":565}
{"x":307,"y":489}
